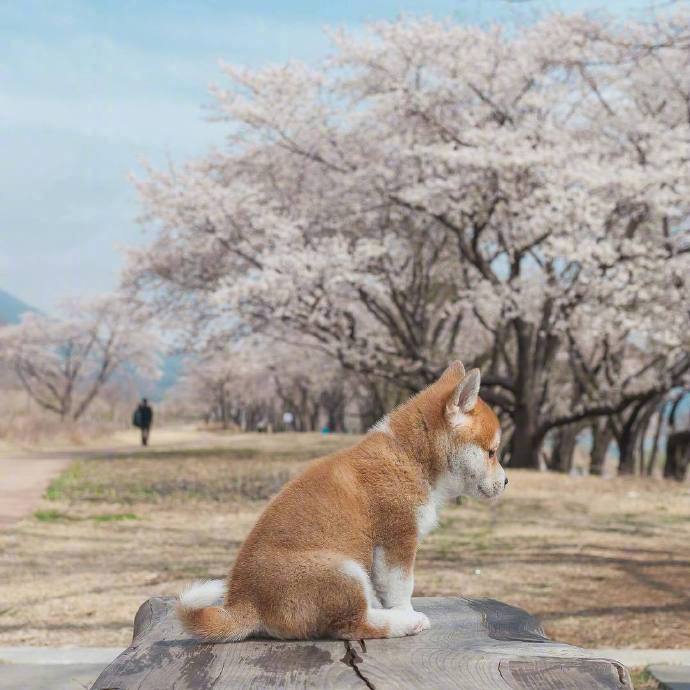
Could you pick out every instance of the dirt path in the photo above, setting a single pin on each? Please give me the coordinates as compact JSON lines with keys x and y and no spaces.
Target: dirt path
{"x":26,"y":473}
{"x":22,"y":483}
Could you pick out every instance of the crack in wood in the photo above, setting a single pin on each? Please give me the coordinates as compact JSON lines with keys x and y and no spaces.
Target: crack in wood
{"x":352,"y":659}
{"x":217,"y":678}
{"x":500,"y":673}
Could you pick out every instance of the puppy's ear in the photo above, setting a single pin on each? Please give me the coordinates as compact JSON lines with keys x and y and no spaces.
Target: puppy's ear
{"x":464,"y":397}
{"x":454,"y":372}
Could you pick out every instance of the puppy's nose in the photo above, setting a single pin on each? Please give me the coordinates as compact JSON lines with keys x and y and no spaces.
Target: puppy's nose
{"x":506,"y":482}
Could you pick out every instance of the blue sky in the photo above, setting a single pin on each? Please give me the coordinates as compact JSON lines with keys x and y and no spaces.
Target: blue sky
{"x":90,"y":89}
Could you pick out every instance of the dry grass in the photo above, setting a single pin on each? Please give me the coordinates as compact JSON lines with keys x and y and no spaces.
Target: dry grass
{"x":603,"y":563}
{"x":22,"y":421}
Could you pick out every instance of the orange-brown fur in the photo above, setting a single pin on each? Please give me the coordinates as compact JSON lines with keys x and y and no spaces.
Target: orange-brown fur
{"x":286,"y":581}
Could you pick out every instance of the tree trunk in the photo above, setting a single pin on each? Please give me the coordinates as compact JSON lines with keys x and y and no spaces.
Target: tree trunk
{"x":333,"y":404}
{"x":371,"y":407}
{"x":335,"y":418}
{"x":677,"y":455}
{"x":223,"y":407}
{"x":626,"y":442}
{"x":314,"y":417}
{"x":564,"y":448}
{"x":632,"y":438}
{"x":524,"y":447}
{"x":602,"y":435}
{"x":626,"y":452}
{"x":641,"y":461}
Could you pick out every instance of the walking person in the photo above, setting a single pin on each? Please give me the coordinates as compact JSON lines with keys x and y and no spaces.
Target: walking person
{"x":143,"y":418}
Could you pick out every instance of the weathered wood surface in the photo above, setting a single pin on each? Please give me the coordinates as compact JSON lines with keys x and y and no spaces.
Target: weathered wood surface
{"x":478,"y":644}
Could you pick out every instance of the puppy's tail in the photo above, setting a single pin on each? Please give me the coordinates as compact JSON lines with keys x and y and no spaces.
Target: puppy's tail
{"x":201,"y":614}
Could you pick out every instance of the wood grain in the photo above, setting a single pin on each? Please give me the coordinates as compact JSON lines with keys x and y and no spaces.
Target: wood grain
{"x":478,"y":644}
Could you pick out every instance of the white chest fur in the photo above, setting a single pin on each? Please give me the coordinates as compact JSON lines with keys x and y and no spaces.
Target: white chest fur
{"x":428,"y":512}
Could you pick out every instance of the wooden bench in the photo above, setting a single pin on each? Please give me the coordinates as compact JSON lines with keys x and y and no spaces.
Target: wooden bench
{"x":477,"y":644}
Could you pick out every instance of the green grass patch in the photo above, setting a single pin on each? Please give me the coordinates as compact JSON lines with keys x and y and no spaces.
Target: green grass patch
{"x":51,"y":516}
{"x":224,"y":453}
{"x":60,"y":486}
{"x":115,"y":517}
{"x":222,"y":474}
{"x":182,"y":453}
{"x":131,"y":480}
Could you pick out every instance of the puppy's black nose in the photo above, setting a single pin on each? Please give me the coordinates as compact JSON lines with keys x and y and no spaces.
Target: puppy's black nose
{"x":506,"y":484}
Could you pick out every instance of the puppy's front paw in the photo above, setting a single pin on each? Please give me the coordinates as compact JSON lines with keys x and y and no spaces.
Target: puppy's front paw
{"x":399,"y":622}
{"x":421,"y":623}
{"x":416,"y":622}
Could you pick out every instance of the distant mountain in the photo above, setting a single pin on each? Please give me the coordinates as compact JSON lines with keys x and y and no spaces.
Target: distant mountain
{"x":11,"y":308}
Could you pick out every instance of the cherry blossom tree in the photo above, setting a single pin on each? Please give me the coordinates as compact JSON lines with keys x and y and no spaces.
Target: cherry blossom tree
{"x":206,"y":385}
{"x":228,"y":387}
{"x":520,"y":199}
{"x":63,"y":364}
{"x":255,"y":381}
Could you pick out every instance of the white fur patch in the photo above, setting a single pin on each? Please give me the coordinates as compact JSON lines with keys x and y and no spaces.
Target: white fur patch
{"x":393,"y":585}
{"x":427,"y":513}
{"x":201,"y":594}
{"x":469,"y":463}
{"x":383,"y":426}
{"x":354,"y":569}
{"x":398,"y":622}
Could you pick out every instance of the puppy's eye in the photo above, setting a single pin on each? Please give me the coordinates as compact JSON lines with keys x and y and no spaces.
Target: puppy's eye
{"x":492,"y":453}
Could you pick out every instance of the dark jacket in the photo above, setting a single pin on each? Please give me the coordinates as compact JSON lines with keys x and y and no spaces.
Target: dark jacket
{"x":143,"y":416}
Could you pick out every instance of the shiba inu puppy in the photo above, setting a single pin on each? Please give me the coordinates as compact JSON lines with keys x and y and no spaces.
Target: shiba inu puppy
{"x":333,"y":553}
